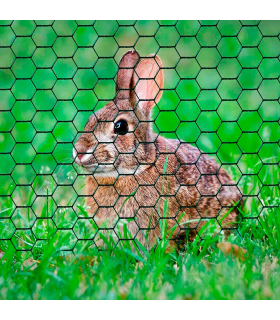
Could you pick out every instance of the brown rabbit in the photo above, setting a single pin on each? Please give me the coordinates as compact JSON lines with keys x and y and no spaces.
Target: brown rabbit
{"x":123,"y":157}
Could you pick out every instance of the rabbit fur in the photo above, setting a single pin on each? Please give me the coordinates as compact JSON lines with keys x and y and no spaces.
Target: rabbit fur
{"x":137,"y":174}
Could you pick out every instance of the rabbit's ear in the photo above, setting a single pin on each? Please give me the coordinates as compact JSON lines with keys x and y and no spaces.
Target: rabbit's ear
{"x":148,"y":82}
{"x":124,"y":76}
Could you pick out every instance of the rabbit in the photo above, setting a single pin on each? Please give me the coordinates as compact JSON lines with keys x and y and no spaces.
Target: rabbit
{"x":135,"y":173}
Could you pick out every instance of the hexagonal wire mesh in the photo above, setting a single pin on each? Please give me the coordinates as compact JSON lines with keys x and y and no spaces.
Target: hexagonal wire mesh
{"x":220,"y":95}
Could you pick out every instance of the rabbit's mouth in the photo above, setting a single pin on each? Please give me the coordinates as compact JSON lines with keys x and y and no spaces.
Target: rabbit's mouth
{"x":101,"y":170}
{"x":89,"y":168}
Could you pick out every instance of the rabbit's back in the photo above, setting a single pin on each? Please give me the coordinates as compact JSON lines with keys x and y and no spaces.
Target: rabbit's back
{"x":203,"y":188}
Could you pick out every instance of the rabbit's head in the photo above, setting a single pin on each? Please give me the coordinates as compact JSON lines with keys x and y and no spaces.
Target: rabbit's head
{"x":118,"y":139}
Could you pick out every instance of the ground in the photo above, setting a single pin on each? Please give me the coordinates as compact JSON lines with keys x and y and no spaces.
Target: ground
{"x":202,"y":271}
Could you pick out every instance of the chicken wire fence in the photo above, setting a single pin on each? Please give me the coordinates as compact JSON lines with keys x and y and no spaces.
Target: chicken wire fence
{"x":220,"y":94}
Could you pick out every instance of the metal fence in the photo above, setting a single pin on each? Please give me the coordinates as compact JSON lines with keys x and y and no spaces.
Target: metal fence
{"x":220,"y":95}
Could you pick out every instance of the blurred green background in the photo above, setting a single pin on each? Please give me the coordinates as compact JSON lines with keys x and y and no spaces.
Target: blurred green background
{"x":221,"y":94}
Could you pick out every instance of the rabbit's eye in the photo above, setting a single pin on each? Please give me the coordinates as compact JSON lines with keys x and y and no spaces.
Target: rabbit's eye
{"x":121,"y":127}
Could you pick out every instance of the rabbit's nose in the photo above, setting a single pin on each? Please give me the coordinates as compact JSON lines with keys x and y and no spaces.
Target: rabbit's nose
{"x":77,"y":155}
{"x":80,"y":155}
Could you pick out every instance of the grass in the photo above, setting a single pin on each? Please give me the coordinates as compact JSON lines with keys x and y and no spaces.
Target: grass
{"x":59,"y":267}
{"x":202,"y":272}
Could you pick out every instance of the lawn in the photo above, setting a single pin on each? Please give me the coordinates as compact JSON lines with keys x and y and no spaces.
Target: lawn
{"x":246,"y":266}
{"x":221,"y":94}
{"x":202,"y":271}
